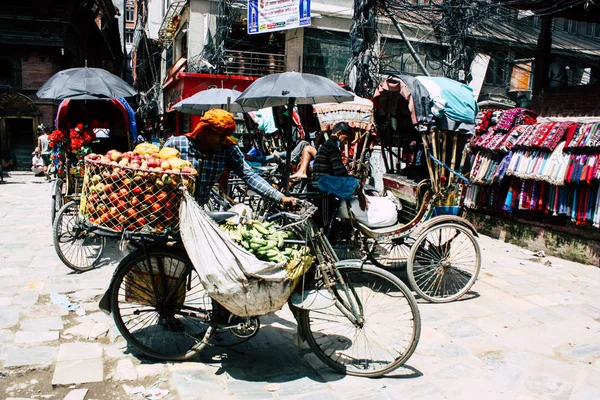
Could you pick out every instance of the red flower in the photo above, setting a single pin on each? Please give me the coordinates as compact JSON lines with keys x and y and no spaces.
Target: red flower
{"x":79,"y":127}
{"x":76,"y":144}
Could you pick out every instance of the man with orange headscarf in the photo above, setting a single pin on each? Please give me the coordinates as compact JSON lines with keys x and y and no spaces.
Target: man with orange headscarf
{"x":211,"y":150}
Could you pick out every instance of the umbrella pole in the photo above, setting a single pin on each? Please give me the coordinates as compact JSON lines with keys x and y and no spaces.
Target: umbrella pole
{"x":288,"y":158}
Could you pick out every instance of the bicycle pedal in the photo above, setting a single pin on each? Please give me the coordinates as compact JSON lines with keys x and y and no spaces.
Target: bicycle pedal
{"x":313,"y":299}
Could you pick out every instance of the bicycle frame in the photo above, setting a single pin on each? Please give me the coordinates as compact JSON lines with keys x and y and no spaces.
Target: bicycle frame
{"x":326,"y":270}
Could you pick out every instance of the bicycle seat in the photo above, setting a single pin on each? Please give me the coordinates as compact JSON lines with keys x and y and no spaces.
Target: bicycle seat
{"x":220,"y":216}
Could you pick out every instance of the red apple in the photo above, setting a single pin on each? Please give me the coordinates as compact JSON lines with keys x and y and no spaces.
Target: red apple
{"x":121,"y":205}
{"x":162,"y":196}
{"x":155,"y":207}
{"x":105,"y":218}
{"x":141,"y":221}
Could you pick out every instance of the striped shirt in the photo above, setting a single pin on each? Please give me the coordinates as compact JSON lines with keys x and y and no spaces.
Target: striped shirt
{"x":210,"y":166}
{"x":328,"y":161}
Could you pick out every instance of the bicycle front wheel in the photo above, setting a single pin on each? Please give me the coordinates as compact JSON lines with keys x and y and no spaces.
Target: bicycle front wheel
{"x":384,"y":337}
{"x":158,"y":304}
{"x":76,"y":247}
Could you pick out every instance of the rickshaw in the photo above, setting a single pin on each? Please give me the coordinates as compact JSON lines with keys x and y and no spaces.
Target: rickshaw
{"x":431,"y":240}
{"x":114,"y":126}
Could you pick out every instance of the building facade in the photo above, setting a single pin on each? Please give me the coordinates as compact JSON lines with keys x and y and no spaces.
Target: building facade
{"x":203,"y":36}
{"x":40,"y":38}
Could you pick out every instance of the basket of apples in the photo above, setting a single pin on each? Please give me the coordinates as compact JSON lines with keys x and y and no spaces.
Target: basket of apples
{"x":138,"y":190}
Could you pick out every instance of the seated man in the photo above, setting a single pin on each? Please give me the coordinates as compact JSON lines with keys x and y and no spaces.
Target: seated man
{"x":330,"y":174}
{"x":37,"y":163}
{"x":303,"y":155}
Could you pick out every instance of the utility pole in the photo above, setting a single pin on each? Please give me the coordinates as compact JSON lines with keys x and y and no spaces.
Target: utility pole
{"x":407,"y":41}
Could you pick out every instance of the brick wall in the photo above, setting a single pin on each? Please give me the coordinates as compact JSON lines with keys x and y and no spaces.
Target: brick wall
{"x":572,"y":101}
{"x":48,"y":113}
{"x":35,"y":70}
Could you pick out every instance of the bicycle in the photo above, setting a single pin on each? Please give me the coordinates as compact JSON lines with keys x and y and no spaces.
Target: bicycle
{"x":369,"y":326}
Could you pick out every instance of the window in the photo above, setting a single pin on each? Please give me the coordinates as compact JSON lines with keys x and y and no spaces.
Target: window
{"x":497,"y":71}
{"x":326,"y":53}
{"x":129,"y":17}
{"x":592,"y":30}
{"x":6,"y":72}
{"x":570,"y":26}
{"x":129,"y":35}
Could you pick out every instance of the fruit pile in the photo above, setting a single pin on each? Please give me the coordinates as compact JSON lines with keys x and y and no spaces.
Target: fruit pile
{"x":138,"y":190}
{"x":267,"y":243}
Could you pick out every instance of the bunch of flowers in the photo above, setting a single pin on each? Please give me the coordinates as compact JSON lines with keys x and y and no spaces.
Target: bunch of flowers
{"x":57,"y":138}
{"x":81,"y":138}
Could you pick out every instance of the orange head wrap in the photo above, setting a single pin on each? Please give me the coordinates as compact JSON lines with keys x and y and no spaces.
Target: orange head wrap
{"x":218,"y":120}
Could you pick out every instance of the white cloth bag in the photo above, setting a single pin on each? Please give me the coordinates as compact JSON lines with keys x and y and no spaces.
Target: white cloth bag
{"x":381,"y":212}
{"x":234,"y":277}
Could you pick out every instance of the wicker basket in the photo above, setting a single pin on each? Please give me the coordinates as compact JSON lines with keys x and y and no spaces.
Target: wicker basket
{"x":122,"y":198}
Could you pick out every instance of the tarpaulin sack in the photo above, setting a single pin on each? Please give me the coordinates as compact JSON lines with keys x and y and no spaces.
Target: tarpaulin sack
{"x":381,"y":212}
{"x":234,"y":277}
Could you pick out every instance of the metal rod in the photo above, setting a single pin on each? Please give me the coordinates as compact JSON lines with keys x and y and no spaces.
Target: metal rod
{"x":288,"y":159}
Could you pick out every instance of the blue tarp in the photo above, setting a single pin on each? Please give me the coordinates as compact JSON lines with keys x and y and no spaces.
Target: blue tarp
{"x":133,"y":133}
{"x":460,"y":104}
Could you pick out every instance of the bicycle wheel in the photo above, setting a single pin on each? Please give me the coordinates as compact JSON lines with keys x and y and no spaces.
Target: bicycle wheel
{"x":157,"y":302}
{"x":77,"y":248}
{"x":383,"y":341}
{"x":389,"y":254}
{"x":58,"y":199}
{"x":444,"y":263}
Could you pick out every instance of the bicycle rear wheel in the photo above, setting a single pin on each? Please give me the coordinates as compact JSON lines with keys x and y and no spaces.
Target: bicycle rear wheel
{"x":444,"y":263}
{"x":158,"y":302}
{"x":383,"y":341}
{"x":76,"y":247}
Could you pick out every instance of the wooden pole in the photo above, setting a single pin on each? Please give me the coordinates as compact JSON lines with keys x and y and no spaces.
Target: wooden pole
{"x":453,"y":162}
{"x":442,"y":156}
{"x":428,"y":161}
{"x":435,"y":153}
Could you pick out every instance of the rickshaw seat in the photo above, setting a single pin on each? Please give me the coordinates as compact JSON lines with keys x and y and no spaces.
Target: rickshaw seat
{"x":376,"y":233}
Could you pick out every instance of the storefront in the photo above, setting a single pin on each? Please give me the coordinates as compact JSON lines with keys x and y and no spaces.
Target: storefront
{"x":182,"y":85}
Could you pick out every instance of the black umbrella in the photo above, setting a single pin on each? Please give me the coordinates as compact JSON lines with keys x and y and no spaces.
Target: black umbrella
{"x":291,"y":88}
{"x":85,"y":84}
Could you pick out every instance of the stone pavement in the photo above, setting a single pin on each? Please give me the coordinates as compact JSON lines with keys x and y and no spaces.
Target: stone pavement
{"x":529,"y":330}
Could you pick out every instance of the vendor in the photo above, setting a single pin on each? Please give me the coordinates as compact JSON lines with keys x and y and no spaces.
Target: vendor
{"x":211,"y":150}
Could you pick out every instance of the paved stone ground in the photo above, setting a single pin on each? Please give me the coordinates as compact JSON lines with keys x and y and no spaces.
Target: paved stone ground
{"x":529,"y":330}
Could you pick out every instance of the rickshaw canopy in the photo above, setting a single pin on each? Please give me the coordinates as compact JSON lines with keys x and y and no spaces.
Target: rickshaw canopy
{"x":448,"y":103}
